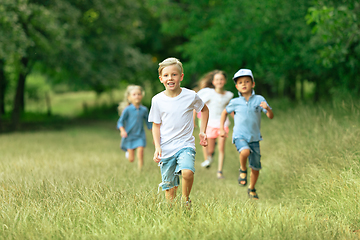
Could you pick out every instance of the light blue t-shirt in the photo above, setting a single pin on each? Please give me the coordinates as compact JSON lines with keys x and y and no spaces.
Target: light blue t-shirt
{"x":247,"y":117}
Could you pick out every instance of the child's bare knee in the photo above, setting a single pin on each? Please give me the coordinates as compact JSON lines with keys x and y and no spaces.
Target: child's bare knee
{"x":140,"y":150}
{"x":245,"y":152}
{"x":187,"y":174}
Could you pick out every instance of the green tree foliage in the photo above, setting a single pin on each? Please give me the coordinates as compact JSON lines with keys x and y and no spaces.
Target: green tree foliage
{"x":13,"y":41}
{"x":101,"y":44}
{"x":94,"y":44}
{"x":44,"y":33}
{"x":284,"y":42}
{"x":336,"y":28}
{"x":90,"y":44}
{"x":267,"y":37}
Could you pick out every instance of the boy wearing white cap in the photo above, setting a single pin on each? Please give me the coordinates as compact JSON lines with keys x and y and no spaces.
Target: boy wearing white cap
{"x":246,"y":133}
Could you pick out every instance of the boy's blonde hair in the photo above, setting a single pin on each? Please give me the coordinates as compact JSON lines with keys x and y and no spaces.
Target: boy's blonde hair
{"x":126,"y":102}
{"x":168,"y":62}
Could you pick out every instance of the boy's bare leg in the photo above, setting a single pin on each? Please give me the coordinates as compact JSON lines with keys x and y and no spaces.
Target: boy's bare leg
{"x":221,"y":154}
{"x":140,"y":156}
{"x":253,"y":179}
{"x":170,"y":194}
{"x":244,"y":154}
{"x":131,"y":154}
{"x":187,"y":182}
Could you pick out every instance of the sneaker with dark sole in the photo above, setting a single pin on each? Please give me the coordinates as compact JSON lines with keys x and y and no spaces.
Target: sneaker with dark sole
{"x":206,"y":163}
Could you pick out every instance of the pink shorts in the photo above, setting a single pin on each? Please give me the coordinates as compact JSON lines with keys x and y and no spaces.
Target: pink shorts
{"x":212,"y":132}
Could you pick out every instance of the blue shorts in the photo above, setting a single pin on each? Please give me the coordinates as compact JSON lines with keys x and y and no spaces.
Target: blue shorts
{"x":171,"y":167}
{"x":254,"y":147}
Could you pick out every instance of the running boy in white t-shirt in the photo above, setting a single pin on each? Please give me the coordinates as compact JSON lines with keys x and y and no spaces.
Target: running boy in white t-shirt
{"x":172,"y":116}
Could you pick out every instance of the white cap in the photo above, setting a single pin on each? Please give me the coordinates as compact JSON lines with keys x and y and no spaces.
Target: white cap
{"x":243,"y":73}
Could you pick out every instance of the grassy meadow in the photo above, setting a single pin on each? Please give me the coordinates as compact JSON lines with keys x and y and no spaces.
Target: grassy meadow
{"x":74,"y":182}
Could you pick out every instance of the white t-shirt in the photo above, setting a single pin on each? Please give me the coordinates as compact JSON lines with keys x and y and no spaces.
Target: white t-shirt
{"x":176,"y":118}
{"x":216,"y":103}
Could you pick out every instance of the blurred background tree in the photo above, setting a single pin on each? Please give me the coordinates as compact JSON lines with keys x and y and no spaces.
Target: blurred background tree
{"x":86,"y":44}
{"x":281,"y":41}
{"x":303,"y":50}
{"x":336,"y":29}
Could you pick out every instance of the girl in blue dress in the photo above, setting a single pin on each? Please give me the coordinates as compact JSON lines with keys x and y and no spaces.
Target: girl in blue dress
{"x":131,"y":124}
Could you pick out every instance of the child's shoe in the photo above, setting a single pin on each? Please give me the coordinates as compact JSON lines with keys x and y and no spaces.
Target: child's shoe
{"x":220,"y":175}
{"x":251,"y":196}
{"x":207,"y":162}
{"x":127,"y":155}
{"x":187,"y":204}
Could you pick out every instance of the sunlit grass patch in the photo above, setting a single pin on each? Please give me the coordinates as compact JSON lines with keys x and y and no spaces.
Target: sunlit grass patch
{"x":71,"y":104}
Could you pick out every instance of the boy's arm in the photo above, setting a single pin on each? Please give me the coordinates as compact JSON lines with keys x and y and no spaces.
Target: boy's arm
{"x":156,"y":136}
{"x":194,"y":117}
{"x":269,"y":112}
{"x":203,"y":125}
{"x":222,"y":122}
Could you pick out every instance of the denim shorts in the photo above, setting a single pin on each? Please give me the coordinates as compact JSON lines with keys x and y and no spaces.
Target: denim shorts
{"x":171,"y":167}
{"x":254,"y":147}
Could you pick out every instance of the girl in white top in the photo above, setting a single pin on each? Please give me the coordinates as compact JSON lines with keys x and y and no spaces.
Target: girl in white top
{"x":216,"y":98}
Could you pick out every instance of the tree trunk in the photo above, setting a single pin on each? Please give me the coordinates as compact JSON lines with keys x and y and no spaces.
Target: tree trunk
{"x":2,"y":88}
{"x":317,"y":91}
{"x":2,"y":91}
{"x":48,"y":103}
{"x":290,"y":90}
{"x":19,"y":96}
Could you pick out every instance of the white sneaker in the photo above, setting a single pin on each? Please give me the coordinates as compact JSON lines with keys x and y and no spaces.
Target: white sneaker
{"x":206,"y":163}
{"x":127,"y":155}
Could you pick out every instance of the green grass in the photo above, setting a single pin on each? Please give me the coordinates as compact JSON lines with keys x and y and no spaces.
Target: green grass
{"x":75,"y":183}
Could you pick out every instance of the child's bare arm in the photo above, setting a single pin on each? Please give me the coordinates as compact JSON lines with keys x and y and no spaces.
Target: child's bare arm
{"x":156,"y":136}
{"x":222,"y":122}
{"x":123,"y":133}
{"x":194,"y":117}
{"x":203,"y":125}
{"x":269,"y":112}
